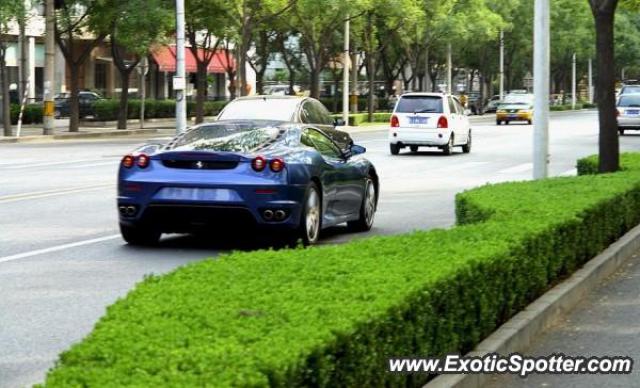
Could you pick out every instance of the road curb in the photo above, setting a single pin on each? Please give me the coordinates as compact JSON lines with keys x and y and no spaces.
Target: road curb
{"x":79,"y":135}
{"x":520,"y":331}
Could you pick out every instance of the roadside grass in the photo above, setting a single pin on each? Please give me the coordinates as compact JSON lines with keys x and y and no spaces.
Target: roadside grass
{"x":331,"y":316}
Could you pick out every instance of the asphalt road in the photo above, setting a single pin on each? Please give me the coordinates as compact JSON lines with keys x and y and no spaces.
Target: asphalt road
{"x":62,"y":260}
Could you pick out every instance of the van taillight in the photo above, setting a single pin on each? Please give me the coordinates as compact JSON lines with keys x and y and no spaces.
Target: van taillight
{"x":394,"y":121}
{"x":443,"y":122}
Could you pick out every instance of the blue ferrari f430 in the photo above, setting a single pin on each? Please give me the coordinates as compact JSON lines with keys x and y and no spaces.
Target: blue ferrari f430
{"x":284,"y":175}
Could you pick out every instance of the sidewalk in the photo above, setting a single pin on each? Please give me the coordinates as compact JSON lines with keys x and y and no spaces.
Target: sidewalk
{"x":605,"y":323}
{"x":156,"y":127}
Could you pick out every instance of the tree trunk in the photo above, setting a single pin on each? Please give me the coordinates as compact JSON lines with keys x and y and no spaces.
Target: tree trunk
{"x":74,"y":107}
{"x":609,"y":148}
{"x":123,"y":111}
{"x":201,"y":91}
{"x":4,"y":89}
{"x":292,"y":82}
{"x":315,"y":82}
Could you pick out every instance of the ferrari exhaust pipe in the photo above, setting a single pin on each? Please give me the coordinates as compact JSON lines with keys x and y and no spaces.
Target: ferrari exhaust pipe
{"x":279,"y":215}
{"x":268,"y":215}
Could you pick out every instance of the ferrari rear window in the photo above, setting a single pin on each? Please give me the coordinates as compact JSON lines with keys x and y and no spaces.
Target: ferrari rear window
{"x":228,"y":138}
{"x":420,"y":104}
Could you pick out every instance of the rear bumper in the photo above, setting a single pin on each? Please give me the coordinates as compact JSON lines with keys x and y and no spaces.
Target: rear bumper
{"x":185,"y":208}
{"x":424,"y":137}
{"x":629,"y":122}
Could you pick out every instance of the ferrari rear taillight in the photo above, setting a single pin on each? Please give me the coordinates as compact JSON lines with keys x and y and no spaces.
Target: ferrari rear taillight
{"x":128,"y":161}
{"x":276,"y":165}
{"x":395,"y":123}
{"x":443,"y":122}
{"x":258,"y":163}
{"x":143,"y":160}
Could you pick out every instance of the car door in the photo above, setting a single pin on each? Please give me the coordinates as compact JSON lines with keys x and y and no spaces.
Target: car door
{"x":340,"y":176}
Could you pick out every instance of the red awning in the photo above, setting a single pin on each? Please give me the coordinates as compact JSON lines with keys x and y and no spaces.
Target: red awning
{"x":165,"y":57}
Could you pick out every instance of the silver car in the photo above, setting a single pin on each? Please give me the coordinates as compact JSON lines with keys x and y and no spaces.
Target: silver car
{"x":628,"y":112}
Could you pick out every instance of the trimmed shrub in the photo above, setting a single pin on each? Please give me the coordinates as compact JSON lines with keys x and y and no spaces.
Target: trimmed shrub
{"x":557,"y":108}
{"x":589,"y":165}
{"x":32,"y":114}
{"x":107,"y":110}
{"x":356,"y":119}
{"x":331,"y":316}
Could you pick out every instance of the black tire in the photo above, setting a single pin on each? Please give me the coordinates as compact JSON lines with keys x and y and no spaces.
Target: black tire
{"x":413,"y":148}
{"x":367,"y":208}
{"x":506,"y":122}
{"x":394,"y":149}
{"x":529,"y":122}
{"x":448,"y":149}
{"x":138,"y":236}
{"x":467,"y":147}
{"x":303,"y":233}
{"x":498,"y":122}
{"x":621,"y":131}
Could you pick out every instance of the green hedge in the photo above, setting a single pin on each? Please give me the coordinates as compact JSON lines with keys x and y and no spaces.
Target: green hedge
{"x":107,"y":110}
{"x":330,"y":316}
{"x":356,"y":119}
{"x":32,"y":114}
{"x":557,"y":108}
{"x":589,"y":165}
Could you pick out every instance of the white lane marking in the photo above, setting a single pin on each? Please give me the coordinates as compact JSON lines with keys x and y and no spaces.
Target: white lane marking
{"x":51,"y":193}
{"x":46,"y":164}
{"x":110,"y":163}
{"x":57,"y":248}
{"x":520,"y":168}
{"x":572,"y":172}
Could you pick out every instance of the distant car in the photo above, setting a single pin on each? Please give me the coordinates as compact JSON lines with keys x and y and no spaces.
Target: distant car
{"x":272,"y":172}
{"x":515,"y":107}
{"x":492,"y":105}
{"x":628,"y":112}
{"x":86,"y":100}
{"x":474,"y":103}
{"x":429,"y":120}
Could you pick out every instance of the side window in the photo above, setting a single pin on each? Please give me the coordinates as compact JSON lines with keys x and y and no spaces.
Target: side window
{"x":314,"y":139}
{"x":452,"y":106}
{"x":323,"y":114}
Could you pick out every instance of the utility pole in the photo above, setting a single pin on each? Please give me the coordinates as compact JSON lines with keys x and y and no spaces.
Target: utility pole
{"x":541,"y":89}
{"x":354,"y":82}
{"x":345,"y":74}
{"x":143,"y":69}
{"x":590,"y":82}
{"x":501,"y":65}
{"x":573,"y":83}
{"x":449,"y":71}
{"x":179,"y":81}
{"x":49,"y":71}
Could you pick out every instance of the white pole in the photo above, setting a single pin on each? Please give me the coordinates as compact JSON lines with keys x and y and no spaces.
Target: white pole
{"x":179,"y":83}
{"x":573,"y":83}
{"x":590,"y":82}
{"x":501,"y":65}
{"x":49,"y":70}
{"x":541,"y":90}
{"x":449,"y":70}
{"x":144,"y":65}
{"x":345,"y":74}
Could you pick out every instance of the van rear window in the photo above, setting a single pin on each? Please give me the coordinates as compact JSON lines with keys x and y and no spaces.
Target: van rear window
{"x":420,"y":104}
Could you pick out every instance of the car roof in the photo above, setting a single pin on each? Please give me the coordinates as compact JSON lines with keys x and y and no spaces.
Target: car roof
{"x":271,"y":97}
{"x":423,"y":94}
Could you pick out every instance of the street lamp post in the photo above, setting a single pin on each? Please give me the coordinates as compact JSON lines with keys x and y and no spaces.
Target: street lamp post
{"x":501,"y":65}
{"x":449,"y":70}
{"x":49,"y":70}
{"x":541,"y":90}
{"x":143,"y":69}
{"x":573,"y":83}
{"x":590,"y":82}
{"x":179,"y":81}
{"x":345,"y":74}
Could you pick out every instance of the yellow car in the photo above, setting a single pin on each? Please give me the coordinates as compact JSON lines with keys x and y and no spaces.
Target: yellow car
{"x":516,"y":111}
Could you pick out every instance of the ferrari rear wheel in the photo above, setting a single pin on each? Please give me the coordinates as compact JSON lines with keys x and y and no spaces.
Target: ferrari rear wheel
{"x":367,"y":209}
{"x":311,"y":220}
{"x":139,"y":236}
